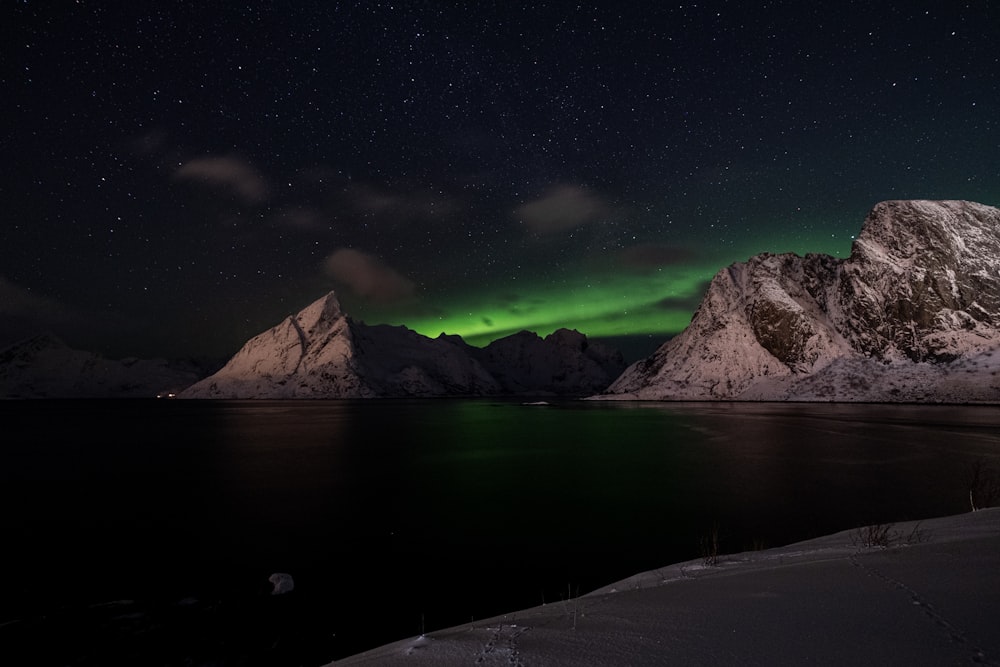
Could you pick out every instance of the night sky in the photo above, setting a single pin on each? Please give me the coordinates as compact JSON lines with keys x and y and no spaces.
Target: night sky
{"x":180,"y":176}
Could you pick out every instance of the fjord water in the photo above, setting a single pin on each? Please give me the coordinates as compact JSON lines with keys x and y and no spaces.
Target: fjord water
{"x":400,"y":516}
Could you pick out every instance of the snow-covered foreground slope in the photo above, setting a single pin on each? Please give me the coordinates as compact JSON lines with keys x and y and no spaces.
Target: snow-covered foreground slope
{"x":912,"y":315}
{"x":930,"y":595}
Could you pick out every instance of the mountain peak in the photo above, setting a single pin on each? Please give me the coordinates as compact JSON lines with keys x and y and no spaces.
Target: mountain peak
{"x":923,"y":280}
{"x":931,"y":233}
{"x":34,"y":344}
{"x":322,"y":353}
{"x":570,"y":338}
{"x":321,"y":315}
{"x":921,"y":288}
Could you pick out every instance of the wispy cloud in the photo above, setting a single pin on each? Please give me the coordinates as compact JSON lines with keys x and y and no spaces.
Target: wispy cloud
{"x":25,"y":313}
{"x":301,"y":218}
{"x":648,"y":256}
{"x":563,"y":208}
{"x":367,"y":276}
{"x":226,"y":173}
{"x":686,"y":302}
{"x":18,"y":302}
{"x":149,"y":143}
{"x":400,"y":204}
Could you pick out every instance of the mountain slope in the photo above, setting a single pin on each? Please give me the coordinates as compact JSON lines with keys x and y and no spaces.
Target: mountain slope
{"x":564,"y":362}
{"x":323,"y":353}
{"x":45,"y":367}
{"x":912,"y":314}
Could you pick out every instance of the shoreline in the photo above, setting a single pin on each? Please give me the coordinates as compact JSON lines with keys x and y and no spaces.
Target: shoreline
{"x":913,"y":592}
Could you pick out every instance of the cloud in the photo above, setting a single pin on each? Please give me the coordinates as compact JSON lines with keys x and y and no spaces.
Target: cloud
{"x":226,"y":173}
{"x":372,"y":200}
{"x":300,"y":218}
{"x":24,"y":313}
{"x":400,"y":204}
{"x":563,"y":208}
{"x":654,"y":255}
{"x":20,"y":303}
{"x":150,"y":143}
{"x":365,"y":275}
{"x":687,"y":302}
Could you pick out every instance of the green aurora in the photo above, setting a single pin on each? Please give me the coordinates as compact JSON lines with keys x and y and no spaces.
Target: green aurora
{"x":598,"y":301}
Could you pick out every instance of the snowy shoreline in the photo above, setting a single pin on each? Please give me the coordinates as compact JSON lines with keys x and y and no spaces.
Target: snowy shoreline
{"x":915,"y":592}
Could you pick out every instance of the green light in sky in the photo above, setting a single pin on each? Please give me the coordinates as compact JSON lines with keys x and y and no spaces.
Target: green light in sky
{"x":598,"y":301}
{"x":608,"y":305}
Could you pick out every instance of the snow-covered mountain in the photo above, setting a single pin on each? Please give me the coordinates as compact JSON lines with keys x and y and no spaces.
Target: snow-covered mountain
{"x":564,"y":362}
{"x":45,"y":367}
{"x":912,"y":315}
{"x":322,"y":353}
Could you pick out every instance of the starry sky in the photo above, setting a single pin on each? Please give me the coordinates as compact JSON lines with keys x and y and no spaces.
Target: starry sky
{"x":178,"y":177}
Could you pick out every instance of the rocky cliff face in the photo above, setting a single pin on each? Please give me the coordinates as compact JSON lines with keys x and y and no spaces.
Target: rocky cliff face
{"x":923,"y":281}
{"x":322,"y":353}
{"x":912,"y":314}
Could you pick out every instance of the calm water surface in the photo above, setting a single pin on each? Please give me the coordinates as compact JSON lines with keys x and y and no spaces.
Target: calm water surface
{"x":401,"y":516}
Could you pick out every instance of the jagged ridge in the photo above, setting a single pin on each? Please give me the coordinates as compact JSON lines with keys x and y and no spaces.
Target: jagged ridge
{"x":323,"y":353}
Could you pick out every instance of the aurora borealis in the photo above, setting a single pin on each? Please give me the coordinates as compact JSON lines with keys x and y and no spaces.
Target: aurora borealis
{"x":178,"y":179}
{"x":612,"y":301}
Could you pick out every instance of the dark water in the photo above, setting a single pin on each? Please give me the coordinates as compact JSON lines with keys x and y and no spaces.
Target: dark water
{"x":396,"y":517}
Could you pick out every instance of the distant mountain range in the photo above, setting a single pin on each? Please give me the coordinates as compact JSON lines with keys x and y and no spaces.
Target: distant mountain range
{"x":323,"y":353}
{"x":45,"y":367}
{"x":913,"y":314}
